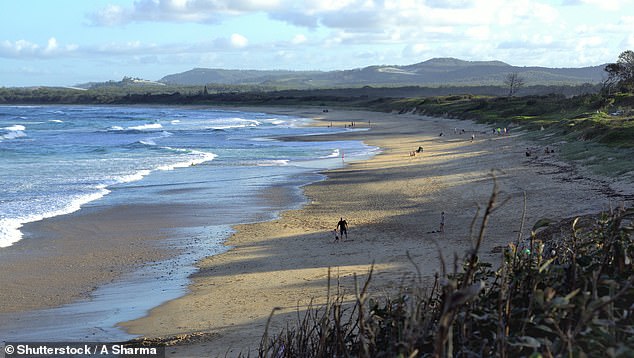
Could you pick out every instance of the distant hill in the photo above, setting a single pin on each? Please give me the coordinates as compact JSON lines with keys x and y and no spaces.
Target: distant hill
{"x":434,"y":72}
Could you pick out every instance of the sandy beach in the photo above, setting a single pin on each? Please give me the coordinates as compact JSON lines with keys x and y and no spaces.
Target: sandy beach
{"x":393,"y":205}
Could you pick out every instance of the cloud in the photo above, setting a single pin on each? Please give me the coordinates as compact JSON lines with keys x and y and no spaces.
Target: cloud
{"x":200,"y":11}
{"x":298,"y":39}
{"x":628,"y":42}
{"x":110,"y":15}
{"x":27,"y":49}
{"x":239,"y":41}
{"x":611,"y":5}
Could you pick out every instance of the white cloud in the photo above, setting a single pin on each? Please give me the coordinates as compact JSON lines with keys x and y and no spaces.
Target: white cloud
{"x":17,"y":48}
{"x":239,"y":41}
{"x":51,"y":45}
{"x":111,"y":15}
{"x":612,"y":5}
{"x":416,"y":50}
{"x":628,"y":42}
{"x":479,"y":32}
{"x":27,"y":49}
{"x":298,"y":39}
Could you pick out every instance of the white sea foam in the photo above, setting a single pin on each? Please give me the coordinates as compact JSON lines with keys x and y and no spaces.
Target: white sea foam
{"x":10,"y":227}
{"x":56,"y":121}
{"x":13,"y":132}
{"x":116,"y":128}
{"x":229,"y":123}
{"x":335,"y":154}
{"x":273,"y":163}
{"x":132,"y":177}
{"x":151,"y":141}
{"x":148,"y":141}
{"x":146,"y":127}
{"x":197,"y":157}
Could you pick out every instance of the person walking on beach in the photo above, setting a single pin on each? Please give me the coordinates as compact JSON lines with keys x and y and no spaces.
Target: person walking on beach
{"x":342,"y":226}
{"x":442,"y":222}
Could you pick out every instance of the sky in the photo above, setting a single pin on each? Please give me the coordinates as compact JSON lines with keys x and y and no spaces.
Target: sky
{"x":67,"y":42}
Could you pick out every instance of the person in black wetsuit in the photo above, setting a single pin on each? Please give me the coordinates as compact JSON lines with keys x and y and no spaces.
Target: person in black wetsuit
{"x":342,"y":226}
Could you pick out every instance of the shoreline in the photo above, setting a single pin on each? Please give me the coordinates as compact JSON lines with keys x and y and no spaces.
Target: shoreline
{"x":392,"y":203}
{"x":79,"y":259}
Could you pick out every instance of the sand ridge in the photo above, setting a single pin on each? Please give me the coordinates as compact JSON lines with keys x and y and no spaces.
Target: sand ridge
{"x":392,"y":203}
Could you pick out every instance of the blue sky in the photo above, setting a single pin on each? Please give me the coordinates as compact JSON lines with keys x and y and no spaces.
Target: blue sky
{"x":66,"y":42}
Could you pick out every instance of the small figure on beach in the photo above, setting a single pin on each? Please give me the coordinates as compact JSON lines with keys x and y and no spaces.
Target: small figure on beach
{"x":336,"y":235}
{"x":342,"y":226}
{"x":472,"y":137}
{"x":419,"y":150}
{"x":528,"y":152}
{"x":442,"y":222}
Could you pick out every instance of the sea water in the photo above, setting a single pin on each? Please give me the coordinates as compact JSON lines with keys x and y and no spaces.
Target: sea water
{"x":54,"y":159}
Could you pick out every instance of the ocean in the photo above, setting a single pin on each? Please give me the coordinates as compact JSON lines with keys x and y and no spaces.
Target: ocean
{"x":58,"y":159}
{"x":55,"y":159}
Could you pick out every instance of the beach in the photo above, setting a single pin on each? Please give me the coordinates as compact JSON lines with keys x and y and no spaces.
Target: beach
{"x":393,"y":205}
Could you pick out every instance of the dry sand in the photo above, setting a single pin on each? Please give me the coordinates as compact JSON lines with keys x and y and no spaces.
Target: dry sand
{"x":393,"y":205}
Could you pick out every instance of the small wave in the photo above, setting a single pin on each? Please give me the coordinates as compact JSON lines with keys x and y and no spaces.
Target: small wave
{"x":13,"y":132}
{"x":151,"y":141}
{"x":335,"y":154}
{"x":176,"y":121}
{"x":146,"y":127}
{"x":276,"y":121}
{"x":198,"y":158}
{"x":148,"y":141}
{"x":16,"y":127}
{"x":273,"y":163}
{"x":56,"y":121}
{"x":232,"y":126}
{"x":132,"y":177}
{"x":116,"y":128}
{"x":230,"y":123}
{"x":10,"y":227}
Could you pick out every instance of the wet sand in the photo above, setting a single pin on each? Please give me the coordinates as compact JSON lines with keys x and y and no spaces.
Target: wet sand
{"x":393,"y":205}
